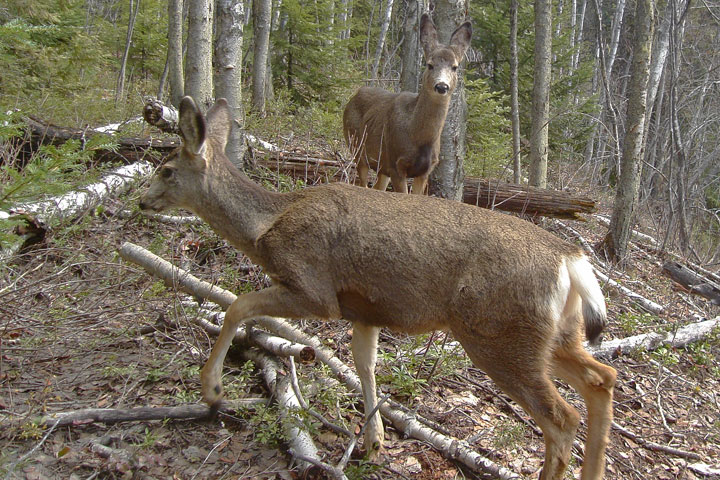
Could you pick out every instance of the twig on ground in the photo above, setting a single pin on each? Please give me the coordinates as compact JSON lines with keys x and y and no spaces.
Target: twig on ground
{"x":656,"y":447}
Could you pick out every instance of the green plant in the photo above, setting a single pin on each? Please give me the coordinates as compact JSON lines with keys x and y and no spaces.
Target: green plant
{"x":149,"y":440}
{"x":361,"y":470}
{"x":632,"y":323}
{"x":32,"y":430}
{"x":666,"y":355}
{"x":489,"y":151}
{"x":508,"y":434}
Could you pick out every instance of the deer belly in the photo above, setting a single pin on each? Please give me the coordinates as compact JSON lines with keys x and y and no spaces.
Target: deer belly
{"x":357,"y":307}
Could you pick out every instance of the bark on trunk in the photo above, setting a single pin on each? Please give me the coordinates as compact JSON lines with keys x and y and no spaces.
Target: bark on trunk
{"x":541,"y":94}
{"x":616,"y":241}
{"x":175,"y":51}
{"x":228,"y":60}
{"x":514,"y":104}
{"x":262,"y":16}
{"x":448,"y":177}
{"x":410,"y":50}
{"x":199,"y":72}
{"x":384,"y":26}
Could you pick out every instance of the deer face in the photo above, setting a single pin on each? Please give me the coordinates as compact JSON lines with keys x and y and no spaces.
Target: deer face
{"x":181,"y":179}
{"x":442,"y":60}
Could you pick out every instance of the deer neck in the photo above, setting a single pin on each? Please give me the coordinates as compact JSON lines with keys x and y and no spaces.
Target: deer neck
{"x":236,"y":207}
{"x":428,"y":117}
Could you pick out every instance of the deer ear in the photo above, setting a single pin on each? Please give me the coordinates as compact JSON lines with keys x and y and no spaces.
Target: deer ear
{"x":428,"y":35}
{"x":460,"y":39}
{"x":219,"y":122}
{"x":192,"y":126}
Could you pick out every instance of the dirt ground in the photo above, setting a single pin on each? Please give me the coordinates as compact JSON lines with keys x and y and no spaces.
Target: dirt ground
{"x":82,"y":328}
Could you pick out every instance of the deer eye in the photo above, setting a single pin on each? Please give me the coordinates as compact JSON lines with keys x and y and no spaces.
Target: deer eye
{"x":166,"y":172}
{"x":454,"y":68}
{"x":429,"y":66}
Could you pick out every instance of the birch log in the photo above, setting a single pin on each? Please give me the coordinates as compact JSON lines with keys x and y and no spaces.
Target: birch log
{"x":679,"y":338}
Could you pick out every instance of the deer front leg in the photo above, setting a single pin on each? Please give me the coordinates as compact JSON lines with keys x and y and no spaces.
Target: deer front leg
{"x":364,"y":350}
{"x":382,"y":182}
{"x":275,"y":301}
{"x":419,"y":184}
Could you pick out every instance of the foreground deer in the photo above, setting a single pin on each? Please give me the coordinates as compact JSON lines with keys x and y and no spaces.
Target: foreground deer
{"x":398,"y":134}
{"x":515,"y":296}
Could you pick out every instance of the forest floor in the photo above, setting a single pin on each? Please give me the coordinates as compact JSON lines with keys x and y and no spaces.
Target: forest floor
{"x":82,"y":328}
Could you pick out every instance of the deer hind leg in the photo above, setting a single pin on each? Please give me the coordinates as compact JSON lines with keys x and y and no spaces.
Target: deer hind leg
{"x":275,"y":301}
{"x":364,"y":350}
{"x":519,"y":367}
{"x":595,"y":382}
{"x":362,"y":171}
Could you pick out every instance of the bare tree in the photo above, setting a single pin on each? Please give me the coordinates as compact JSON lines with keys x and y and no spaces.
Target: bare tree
{"x":384,"y":26}
{"x":541,"y":94}
{"x":262,"y":18}
{"x":228,"y":60}
{"x":199,"y":71}
{"x":132,"y":17}
{"x":410,"y":50}
{"x":514,"y":104}
{"x":621,"y":223}
{"x":449,"y":175}
{"x":175,"y":51}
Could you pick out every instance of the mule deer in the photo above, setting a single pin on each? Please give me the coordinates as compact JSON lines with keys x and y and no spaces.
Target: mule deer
{"x":512,"y":294}
{"x":398,"y":134}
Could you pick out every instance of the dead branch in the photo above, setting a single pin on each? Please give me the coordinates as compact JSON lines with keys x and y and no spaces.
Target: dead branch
{"x":188,"y":411}
{"x":693,"y":282}
{"x":407,"y":423}
{"x":648,"y":305}
{"x":656,"y":447}
{"x":679,"y":338}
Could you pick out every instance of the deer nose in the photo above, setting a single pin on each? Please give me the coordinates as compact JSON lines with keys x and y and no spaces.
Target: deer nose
{"x":442,"y":88}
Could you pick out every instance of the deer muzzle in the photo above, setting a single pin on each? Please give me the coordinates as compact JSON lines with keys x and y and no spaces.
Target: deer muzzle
{"x":442,"y":88}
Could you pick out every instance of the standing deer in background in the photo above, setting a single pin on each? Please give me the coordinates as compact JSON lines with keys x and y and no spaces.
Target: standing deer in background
{"x":515,"y":296}
{"x":398,"y":134}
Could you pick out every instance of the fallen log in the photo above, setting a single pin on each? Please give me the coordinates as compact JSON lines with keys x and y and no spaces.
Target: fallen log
{"x":692,"y":282}
{"x":533,"y":201}
{"x":311,"y":167}
{"x":39,"y":132}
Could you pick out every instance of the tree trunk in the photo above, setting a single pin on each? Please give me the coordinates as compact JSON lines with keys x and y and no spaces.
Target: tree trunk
{"x":132,"y":17}
{"x":541,"y":94}
{"x":410,"y":51}
{"x":514,"y":104}
{"x":384,"y":26}
{"x":447,"y":179}
{"x":228,"y":60}
{"x":199,"y":71}
{"x":261,"y":30}
{"x":616,"y":241}
{"x":175,"y":51}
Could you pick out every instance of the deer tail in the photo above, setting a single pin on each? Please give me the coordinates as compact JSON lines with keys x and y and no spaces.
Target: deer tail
{"x":585,"y":283}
